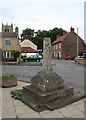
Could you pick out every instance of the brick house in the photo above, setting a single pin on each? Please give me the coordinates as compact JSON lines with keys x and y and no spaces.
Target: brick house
{"x":67,"y":45}
{"x":9,"y":41}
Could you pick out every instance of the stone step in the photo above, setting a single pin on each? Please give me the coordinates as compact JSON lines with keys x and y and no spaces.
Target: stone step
{"x":32,"y":103}
{"x":45,"y":97}
{"x":56,"y":104}
{"x":59,"y":103}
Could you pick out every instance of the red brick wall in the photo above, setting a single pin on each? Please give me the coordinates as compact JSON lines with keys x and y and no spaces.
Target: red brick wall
{"x":70,"y":45}
{"x":56,"y":51}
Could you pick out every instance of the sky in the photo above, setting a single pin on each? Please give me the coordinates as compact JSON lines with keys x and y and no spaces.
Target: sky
{"x":43,"y":14}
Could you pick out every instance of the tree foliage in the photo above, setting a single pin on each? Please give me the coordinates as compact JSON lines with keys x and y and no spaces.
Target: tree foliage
{"x":16,"y":54}
{"x":37,"y":37}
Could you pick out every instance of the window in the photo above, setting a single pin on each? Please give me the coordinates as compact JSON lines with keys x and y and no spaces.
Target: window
{"x":59,"y":54}
{"x":35,"y":56}
{"x":31,"y":56}
{"x":7,"y":42}
{"x":56,"y":46}
{"x":59,"y":45}
{"x":54,"y":54}
{"x":7,"y":54}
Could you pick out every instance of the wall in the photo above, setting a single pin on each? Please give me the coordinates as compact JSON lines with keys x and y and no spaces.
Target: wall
{"x":70,"y":45}
{"x":14,"y":44}
{"x":56,"y":51}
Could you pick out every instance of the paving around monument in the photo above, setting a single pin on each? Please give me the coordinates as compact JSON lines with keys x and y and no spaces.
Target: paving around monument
{"x":47,"y":89}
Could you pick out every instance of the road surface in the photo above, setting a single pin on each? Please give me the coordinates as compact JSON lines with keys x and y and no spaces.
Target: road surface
{"x":72,"y":73}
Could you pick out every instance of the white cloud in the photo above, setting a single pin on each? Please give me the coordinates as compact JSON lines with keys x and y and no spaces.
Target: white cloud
{"x":43,"y":14}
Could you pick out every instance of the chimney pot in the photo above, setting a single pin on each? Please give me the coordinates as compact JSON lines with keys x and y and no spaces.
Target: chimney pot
{"x":72,"y":30}
{"x":27,"y":37}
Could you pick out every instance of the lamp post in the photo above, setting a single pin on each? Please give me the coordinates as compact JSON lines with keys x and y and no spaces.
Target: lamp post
{"x":77,"y":43}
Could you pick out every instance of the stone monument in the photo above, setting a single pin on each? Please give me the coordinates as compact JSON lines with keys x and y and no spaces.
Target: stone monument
{"x":47,"y":89}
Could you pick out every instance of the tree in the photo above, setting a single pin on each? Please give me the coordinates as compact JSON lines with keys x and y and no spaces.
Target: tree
{"x":28,"y":32}
{"x":37,"y":37}
{"x":16,"y":54}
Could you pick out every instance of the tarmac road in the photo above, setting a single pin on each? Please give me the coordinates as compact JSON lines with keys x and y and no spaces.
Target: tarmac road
{"x":72,"y":73}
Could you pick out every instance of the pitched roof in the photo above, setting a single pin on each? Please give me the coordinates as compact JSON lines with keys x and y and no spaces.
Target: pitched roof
{"x":60,"y":39}
{"x":28,"y":50}
{"x":28,"y":43}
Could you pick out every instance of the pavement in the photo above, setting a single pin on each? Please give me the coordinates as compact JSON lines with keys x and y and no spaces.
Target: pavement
{"x":11,"y":108}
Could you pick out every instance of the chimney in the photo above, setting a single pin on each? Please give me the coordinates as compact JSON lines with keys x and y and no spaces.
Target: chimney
{"x":58,"y":36}
{"x":72,"y":30}
{"x":26,"y":37}
{"x":16,"y":30}
{"x":64,"y":32}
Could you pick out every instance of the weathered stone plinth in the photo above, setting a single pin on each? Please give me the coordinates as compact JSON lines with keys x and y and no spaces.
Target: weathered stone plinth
{"x":44,"y":97}
{"x":47,"y":81}
{"x":47,"y":90}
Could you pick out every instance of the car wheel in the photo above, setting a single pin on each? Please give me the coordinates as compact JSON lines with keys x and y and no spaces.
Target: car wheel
{"x":26,"y":60}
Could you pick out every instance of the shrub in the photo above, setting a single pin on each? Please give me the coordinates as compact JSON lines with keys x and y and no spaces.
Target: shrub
{"x":16,"y":94}
{"x":7,"y":76}
{"x":22,"y":56}
{"x":16,"y":54}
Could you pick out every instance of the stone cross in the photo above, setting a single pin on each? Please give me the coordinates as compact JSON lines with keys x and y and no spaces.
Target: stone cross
{"x":47,"y":64}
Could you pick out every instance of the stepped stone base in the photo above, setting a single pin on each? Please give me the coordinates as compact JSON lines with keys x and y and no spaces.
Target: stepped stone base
{"x":47,"y":91}
{"x":45,"y":97}
{"x":55,"y":104}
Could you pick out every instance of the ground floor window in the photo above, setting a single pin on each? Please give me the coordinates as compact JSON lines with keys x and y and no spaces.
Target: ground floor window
{"x":54,"y":54}
{"x":7,"y":54}
{"x":59,"y":54}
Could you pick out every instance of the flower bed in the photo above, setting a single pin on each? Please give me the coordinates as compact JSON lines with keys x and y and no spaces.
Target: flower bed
{"x":9,"y":81}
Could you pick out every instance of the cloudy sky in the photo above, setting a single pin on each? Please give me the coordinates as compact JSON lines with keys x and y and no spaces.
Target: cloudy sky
{"x":43,"y":14}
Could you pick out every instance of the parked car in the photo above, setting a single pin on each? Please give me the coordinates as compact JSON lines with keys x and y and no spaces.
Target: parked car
{"x":70,"y":58}
{"x":79,"y":57}
{"x":32,"y":58}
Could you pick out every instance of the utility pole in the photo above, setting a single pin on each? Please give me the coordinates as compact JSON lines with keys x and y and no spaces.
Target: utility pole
{"x":77,"y":43}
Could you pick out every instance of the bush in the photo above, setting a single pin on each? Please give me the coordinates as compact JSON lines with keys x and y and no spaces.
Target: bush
{"x":7,"y":76}
{"x":22,"y":56}
{"x":16,"y":54}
